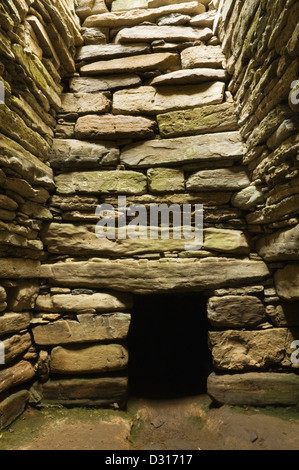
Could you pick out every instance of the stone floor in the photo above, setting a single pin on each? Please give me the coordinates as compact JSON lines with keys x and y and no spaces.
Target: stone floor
{"x":181,"y":424}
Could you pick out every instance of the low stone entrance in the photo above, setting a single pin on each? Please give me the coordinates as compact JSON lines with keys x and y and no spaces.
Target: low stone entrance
{"x":168,"y":346}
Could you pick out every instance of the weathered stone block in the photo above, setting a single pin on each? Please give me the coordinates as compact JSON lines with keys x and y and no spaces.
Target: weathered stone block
{"x":100,"y":302}
{"x":166,"y":180}
{"x":92,"y":53}
{"x":132,"y":18}
{"x":287,"y":282}
{"x":114,"y":127}
{"x":233,"y":311}
{"x":203,"y":56}
{"x":254,"y":389}
{"x":148,"y":100}
{"x":209,"y":147}
{"x":75,"y":154}
{"x":206,"y":119}
{"x":13,"y":322}
{"x":12,"y":407}
{"x":281,"y":245}
{"x":89,"y":359}
{"x":16,"y":345}
{"x":104,"y":83}
{"x":86,"y":391}
{"x":225,"y":179}
{"x":252,"y":350}
{"x":16,"y":374}
{"x":84,"y":103}
{"x":188,"y":77}
{"x":163,"y":61}
{"x":88,"y":328}
{"x":23,"y":296}
{"x":150,"y":33}
{"x":109,"y":182}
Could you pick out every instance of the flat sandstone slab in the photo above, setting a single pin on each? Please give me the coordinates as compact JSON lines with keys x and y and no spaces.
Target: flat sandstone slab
{"x":192,"y":76}
{"x":163,"y":61}
{"x":84,"y":103}
{"x":203,"y":56}
{"x":209,"y":147}
{"x":95,"y":52}
{"x":144,"y":276}
{"x":103,"y":83}
{"x":75,"y":154}
{"x":88,"y":359}
{"x":166,"y":33}
{"x":135,"y":17}
{"x":254,"y":389}
{"x":100,"y":302}
{"x":108,"y":182}
{"x":205,"y":119}
{"x":87,"y":328}
{"x":224,"y":179}
{"x":103,"y":390}
{"x":148,"y":100}
{"x":113,"y":127}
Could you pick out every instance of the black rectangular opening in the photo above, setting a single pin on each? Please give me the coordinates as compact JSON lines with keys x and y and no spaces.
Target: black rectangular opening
{"x":168,"y":346}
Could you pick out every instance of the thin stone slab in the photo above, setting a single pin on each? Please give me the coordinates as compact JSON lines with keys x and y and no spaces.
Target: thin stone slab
{"x":16,"y":345}
{"x":209,"y":147}
{"x":104,"y":83}
{"x":121,"y":5}
{"x":82,"y":240}
{"x":224,"y":179}
{"x":100,"y":302}
{"x":87,"y":328}
{"x":203,"y":56}
{"x":17,"y":268}
{"x":162,"y":61}
{"x":135,"y":17}
{"x":115,"y":182}
{"x":75,"y":154}
{"x":254,"y":389}
{"x":114,"y":127}
{"x":148,"y":100}
{"x":202,"y":120}
{"x":89,"y":359}
{"x":192,"y":76}
{"x":167,"y":33}
{"x":85,"y":391}
{"x":94,"y":52}
{"x":151,"y":276}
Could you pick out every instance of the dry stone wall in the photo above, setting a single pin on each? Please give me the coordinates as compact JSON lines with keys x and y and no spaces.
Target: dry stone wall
{"x":37,"y":44}
{"x":260,"y":42}
{"x":164,"y":102}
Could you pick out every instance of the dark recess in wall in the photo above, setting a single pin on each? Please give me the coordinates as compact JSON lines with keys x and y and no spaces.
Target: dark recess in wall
{"x":168,"y":351}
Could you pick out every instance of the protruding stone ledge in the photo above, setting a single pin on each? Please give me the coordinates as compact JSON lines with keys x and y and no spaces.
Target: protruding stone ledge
{"x":150,"y":33}
{"x":144,"y":276}
{"x":255,"y":389}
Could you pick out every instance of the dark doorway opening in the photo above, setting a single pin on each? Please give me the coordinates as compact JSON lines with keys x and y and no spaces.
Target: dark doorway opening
{"x":168,"y":346}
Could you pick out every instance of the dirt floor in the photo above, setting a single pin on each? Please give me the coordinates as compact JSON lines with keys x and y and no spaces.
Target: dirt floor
{"x":182,"y":424}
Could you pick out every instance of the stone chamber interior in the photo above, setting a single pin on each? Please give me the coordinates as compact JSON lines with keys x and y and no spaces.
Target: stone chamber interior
{"x":164,"y":102}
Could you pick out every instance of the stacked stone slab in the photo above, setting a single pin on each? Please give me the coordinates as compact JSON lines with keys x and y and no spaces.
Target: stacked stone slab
{"x":148,"y":115}
{"x":260,"y":42}
{"x":37,"y":42}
